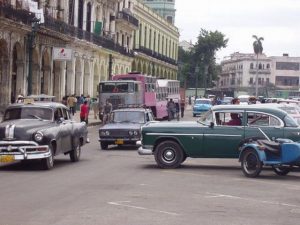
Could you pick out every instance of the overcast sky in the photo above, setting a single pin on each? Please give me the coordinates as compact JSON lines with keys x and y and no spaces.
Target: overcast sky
{"x":277,"y":21}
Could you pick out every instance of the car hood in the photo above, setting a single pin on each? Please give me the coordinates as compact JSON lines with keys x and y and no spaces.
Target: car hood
{"x":121,"y":126}
{"x":23,"y":129}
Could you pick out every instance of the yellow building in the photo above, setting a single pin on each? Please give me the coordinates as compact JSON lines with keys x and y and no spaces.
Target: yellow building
{"x":104,"y":37}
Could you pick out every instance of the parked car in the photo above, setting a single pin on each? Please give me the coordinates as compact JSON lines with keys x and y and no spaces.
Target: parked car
{"x":213,"y":135}
{"x":124,"y":128}
{"x":244,"y":99}
{"x":40,"y":130}
{"x":201,"y":105}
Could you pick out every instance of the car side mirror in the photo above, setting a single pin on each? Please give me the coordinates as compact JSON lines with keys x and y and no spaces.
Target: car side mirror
{"x":212,"y":124}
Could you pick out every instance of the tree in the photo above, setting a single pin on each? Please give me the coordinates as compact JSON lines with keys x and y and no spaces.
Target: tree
{"x":257,"y":45}
{"x":258,"y":49}
{"x":208,"y":43}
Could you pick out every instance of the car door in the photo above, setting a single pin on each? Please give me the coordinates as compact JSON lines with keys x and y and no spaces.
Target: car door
{"x":258,"y":123}
{"x":62,"y":136}
{"x":67,"y":130}
{"x":222,"y":140}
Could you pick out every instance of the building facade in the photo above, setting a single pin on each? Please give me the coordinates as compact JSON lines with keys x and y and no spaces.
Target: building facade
{"x":155,"y":44}
{"x":275,"y":72}
{"x":165,"y":8}
{"x":100,"y":33}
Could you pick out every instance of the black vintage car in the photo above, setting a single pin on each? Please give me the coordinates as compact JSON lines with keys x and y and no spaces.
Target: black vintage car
{"x":124,"y":127}
{"x":40,"y":130}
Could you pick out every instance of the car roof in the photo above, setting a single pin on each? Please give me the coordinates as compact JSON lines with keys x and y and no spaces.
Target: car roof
{"x":265,"y":108}
{"x":38,"y":104}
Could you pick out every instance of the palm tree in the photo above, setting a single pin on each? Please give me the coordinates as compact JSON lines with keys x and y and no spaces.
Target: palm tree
{"x":258,"y":49}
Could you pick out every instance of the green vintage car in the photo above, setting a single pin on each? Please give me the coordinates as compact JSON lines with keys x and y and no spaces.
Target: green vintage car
{"x":215,"y":135}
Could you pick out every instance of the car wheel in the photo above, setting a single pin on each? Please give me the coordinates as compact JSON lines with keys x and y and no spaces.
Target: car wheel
{"x":282,"y":170}
{"x":184,"y":158}
{"x":103,"y":145}
{"x":48,"y":163}
{"x":168,"y":155}
{"x":251,"y":164}
{"x":75,"y":153}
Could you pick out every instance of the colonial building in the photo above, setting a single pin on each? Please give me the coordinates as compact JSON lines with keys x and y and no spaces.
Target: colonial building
{"x":165,"y":8}
{"x":101,"y":34}
{"x":155,"y":44}
{"x":276,"y":72}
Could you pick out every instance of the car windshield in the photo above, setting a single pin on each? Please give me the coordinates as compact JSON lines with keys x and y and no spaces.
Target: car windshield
{"x":243,"y":99}
{"x":128,"y":117}
{"x":202,"y":101}
{"x":28,"y":113}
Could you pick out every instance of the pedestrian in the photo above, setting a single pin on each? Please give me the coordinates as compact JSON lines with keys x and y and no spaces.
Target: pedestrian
{"x":71,"y":103}
{"x":84,"y":112}
{"x":235,"y":101}
{"x":182,"y":107}
{"x":20,"y":99}
{"x":171,"y":108}
{"x":107,"y":109}
{"x":95,"y":107}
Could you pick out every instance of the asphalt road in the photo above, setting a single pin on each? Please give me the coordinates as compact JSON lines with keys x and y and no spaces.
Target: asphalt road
{"x":119,"y":187}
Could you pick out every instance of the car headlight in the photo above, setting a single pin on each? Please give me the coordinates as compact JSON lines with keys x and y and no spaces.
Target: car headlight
{"x":105,"y":133}
{"x":38,"y":136}
{"x":133,"y":132}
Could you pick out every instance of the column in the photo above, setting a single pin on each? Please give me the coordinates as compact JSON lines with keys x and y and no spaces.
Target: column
{"x":76,"y":13}
{"x":84,"y":14}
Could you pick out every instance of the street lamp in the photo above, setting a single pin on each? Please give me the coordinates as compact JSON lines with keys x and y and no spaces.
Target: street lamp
{"x":31,"y":44}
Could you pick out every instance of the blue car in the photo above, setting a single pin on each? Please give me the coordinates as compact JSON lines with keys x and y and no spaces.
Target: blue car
{"x":201,"y":105}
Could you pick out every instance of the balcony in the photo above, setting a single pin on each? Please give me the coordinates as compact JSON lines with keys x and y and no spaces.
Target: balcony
{"x":260,"y":71}
{"x":18,"y":15}
{"x":60,"y":29}
{"x":156,"y":55}
{"x":126,"y":19}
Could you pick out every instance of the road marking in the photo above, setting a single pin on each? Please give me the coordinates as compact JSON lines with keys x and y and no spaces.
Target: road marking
{"x":288,"y":186}
{"x":218,"y":195}
{"x":124,"y":204}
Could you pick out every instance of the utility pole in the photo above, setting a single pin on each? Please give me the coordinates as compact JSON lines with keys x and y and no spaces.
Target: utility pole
{"x":196,"y":73}
{"x":110,"y":62}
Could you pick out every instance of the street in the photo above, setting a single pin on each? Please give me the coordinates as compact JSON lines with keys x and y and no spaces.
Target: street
{"x":117,"y":186}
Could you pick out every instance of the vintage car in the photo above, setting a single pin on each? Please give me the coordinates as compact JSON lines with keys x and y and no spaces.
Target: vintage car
{"x":40,"y":130}
{"x":201,"y":105}
{"x":214,"y":135}
{"x":124,"y":127}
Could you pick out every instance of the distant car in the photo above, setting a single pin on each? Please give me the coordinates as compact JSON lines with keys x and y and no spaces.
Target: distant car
{"x":40,"y":130}
{"x":227,"y":100}
{"x":201,"y":105}
{"x":244,"y":99}
{"x":212,"y":136}
{"x":292,"y":109}
{"x":124,"y":127}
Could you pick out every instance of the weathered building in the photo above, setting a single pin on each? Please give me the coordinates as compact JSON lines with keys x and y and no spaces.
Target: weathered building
{"x":100,"y":33}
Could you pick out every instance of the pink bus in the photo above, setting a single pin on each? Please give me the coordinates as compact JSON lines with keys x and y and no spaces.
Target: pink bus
{"x":155,"y":92}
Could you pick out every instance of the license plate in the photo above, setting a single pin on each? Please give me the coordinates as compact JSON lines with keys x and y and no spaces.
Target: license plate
{"x":119,"y":142}
{"x":7,"y":158}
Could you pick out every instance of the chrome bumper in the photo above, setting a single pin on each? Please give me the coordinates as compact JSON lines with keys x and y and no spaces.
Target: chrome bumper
{"x":22,"y":150}
{"x":144,"y":151}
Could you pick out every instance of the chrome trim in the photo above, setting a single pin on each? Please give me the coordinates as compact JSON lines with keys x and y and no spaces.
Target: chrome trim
{"x":144,"y":151}
{"x":173,"y":134}
{"x":9,"y":131}
{"x":22,"y":150}
{"x":223,"y":135}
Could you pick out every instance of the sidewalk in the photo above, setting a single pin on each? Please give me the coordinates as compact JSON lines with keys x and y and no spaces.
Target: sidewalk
{"x":92,"y":120}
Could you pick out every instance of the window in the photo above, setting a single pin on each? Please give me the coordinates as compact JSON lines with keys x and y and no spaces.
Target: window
{"x":251,"y":66}
{"x":260,"y":119}
{"x":251,"y":80}
{"x":229,"y":118}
